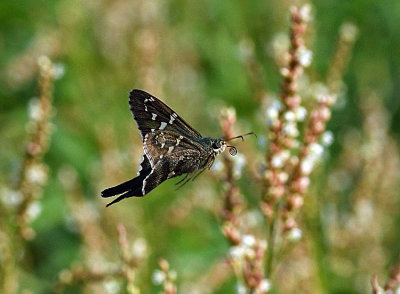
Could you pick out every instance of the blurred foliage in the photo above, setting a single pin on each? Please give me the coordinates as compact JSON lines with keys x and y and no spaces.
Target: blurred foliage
{"x":190,"y":54}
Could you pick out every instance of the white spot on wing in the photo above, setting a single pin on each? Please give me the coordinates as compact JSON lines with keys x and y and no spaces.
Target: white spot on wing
{"x":140,"y":165}
{"x":170,"y":149}
{"x":178,"y":140}
{"x":145,"y":180}
{"x":163,"y":125}
{"x":153,"y":116}
{"x":146,"y":151}
{"x":152,"y":130}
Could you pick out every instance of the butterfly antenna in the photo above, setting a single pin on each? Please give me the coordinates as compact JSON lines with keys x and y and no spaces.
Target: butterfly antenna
{"x":241,"y":136}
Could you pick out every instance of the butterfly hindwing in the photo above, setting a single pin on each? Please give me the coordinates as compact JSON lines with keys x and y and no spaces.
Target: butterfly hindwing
{"x":171,"y":155}
{"x":151,"y":115}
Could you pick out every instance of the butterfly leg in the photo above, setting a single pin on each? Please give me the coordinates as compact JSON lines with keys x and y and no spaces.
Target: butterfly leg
{"x":185,"y":180}
{"x":182,"y":180}
{"x":198,"y":174}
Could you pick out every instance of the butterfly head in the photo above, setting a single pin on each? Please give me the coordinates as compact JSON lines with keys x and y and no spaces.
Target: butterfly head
{"x":218,"y":146}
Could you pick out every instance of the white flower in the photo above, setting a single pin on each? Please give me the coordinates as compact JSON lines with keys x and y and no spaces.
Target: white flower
{"x":14,"y":198}
{"x":283,"y":177}
{"x":248,"y":240}
{"x":295,"y":234}
{"x":305,"y":56}
{"x":272,"y":111}
{"x":249,"y":252}
{"x":241,"y":289}
{"x":316,"y":149}
{"x":289,"y":116}
{"x":279,"y":159}
{"x":348,"y":32}
{"x":34,"y":209}
{"x":290,"y":129}
{"x":158,"y":277}
{"x":300,"y":113}
{"x":285,"y":72}
{"x":58,"y":70}
{"x":112,"y":287}
{"x":34,"y":110}
{"x":325,"y":113}
{"x":327,"y":138}
{"x":11,"y":198}
{"x":44,"y":62}
{"x":326,"y":98}
{"x":236,"y":252}
{"x":265,"y":286}
{"x":139,"y":248}
{"x":36,"y":174}
{"x":307,"y":165}
{"x":305,"y":12}
{"x":272,"y":115}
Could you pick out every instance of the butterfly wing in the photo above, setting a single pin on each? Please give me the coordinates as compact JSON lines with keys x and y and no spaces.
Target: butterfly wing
{"x":151,"y":115}
{"x":171,"y":155}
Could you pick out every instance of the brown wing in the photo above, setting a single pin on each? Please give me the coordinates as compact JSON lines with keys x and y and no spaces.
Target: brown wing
{"x":170,"y":155}
{"x":151,"y":114}
{"x":162,"y":144}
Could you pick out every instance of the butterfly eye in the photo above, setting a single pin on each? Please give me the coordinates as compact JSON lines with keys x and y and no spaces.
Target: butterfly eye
{"x":216,"y":145}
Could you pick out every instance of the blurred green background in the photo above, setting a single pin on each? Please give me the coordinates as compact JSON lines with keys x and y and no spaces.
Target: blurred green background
{"x":191,"y":55}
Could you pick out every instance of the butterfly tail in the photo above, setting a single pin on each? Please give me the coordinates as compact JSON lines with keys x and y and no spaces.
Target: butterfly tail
{"x":128,"y":189}
{"x":121,"y":188}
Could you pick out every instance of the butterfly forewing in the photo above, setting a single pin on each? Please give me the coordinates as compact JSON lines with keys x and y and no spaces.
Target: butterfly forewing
{"x":151,"y":115}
